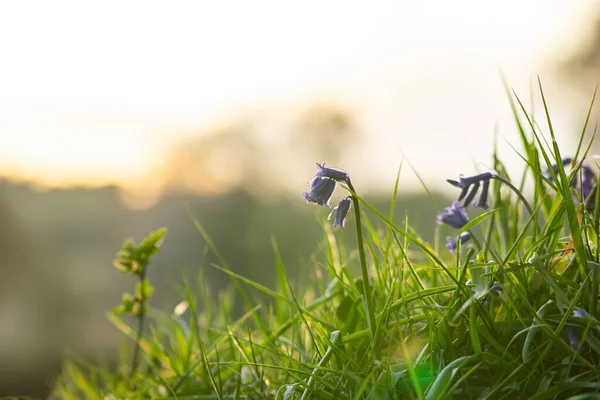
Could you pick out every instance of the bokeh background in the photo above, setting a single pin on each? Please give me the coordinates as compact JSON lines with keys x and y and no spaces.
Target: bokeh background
{"x":117,"y":118}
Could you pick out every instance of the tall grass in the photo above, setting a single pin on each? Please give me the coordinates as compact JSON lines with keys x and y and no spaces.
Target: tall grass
{"x":512,"y":314}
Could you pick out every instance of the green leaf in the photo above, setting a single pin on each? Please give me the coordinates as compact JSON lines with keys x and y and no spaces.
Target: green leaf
{"x":534,"y":328}
{"x":290,"y":391}
{"x":477,"y":220}
{"x":443,"y":380}
{"x":144,"y":289}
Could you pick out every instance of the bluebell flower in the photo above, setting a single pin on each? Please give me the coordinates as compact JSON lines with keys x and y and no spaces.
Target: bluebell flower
{"x":341,"y":212}
{"x":470,"y":195}
{"x":464,"y":182}
{"x":482,"y":201}
{"x":565,"y":162}
{"x":332,"y":173}
{"x":321,"y":190}
{"x":584,"y":184}
{"x":496,"y":290}
{"x":452,"y":243}
{"x":454,"y":216}
{"x":574,"y":340}
{"x":470,"y":186}
{"x":588,"y":180}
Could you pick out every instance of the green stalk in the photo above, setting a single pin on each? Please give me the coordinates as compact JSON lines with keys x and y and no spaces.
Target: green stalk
{"x":517,"y":192}
{"x":136,"y":348}
{"x":363,"y":264}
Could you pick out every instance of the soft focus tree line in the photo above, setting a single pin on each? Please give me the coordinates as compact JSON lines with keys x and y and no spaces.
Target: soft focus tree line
{"x":57,"y":245}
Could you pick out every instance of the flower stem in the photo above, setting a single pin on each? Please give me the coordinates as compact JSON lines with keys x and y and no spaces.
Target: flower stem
{"x":518,"y":193}
{"x":136,"y":349}
{"x":363,"y":265}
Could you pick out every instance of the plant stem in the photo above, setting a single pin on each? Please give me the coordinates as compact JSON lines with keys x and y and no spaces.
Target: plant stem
{"x":136,"y":349}
{"x":517,"y":192}
{"x":363,"y":265}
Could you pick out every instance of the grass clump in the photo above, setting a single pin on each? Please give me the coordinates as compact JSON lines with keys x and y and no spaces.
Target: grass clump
{"x":508,"y":308}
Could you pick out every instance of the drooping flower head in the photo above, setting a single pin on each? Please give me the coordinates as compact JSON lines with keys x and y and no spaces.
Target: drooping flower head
{"x":336,"y":174}
{"x":588,"y":181}
{"x":341,"y":212}
{"x":584,"y":183}
{"x":482,"y":201}
{"x":495,"y":290}
{"x":454,"y":216}
{"x":574,"y":340}
{"x":323,"y":184}
{"x":452,"y":243}
{"x":470,"y":186}
{"x":466,"y":181}
{"x":321,"y":190}
{"x":565,"y":162}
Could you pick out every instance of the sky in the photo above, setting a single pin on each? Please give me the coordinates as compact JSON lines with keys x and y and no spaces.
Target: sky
{"x":94,"y":92}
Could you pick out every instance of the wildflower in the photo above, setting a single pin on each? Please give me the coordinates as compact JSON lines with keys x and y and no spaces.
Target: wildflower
{"x":341,"y":211}
{"x":321,"y":190}
{"x":588,"y":180}
{"x":464,"y":182}
{"x":496,"y":290}
{"x":471,"y":194}
{"x":452,"y":243}
{"x":455,"y":216}
{"x":332,"y":173}
{"x":574,"y":340}
{"x":584,"y":183}
{"x":470,"y":186}
{"x":565,"y":161}
{"x":482,"y":201}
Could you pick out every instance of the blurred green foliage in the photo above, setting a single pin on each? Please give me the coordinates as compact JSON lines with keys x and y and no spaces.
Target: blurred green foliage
{"x":55,"y":270}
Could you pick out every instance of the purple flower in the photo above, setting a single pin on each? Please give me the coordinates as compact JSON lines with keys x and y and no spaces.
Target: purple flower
{"x":471,"y":194}
{"x":452,"y":243}
{"x":464,"y":182}
{"x":574,"y":340}
{"x":496,"y":290}
{"x":565,"y":161}
{"x":588,"y":180}
{"x":332,"y":173}
{"x":470,"y":186}
{"x":321,"y":190}
{"x":482,"y":201}
{"x":584,"y":184}
{"x":455,"y":216}
{"x":341,"y":211}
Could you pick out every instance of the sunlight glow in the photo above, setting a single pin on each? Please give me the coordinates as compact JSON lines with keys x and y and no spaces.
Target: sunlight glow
{"x":94,"y":93}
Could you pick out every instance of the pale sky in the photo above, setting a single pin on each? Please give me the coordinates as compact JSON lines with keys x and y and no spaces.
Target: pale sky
{"x":93,"y":92}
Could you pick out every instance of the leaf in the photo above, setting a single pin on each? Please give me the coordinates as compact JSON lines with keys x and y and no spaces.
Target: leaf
{"x":444,"y":378}
{"x":290,"y":391}
{"x":534,"y":328}
{"x":477,"y":220}
{"x":343,"y":310}
{"x":144,"y":289}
